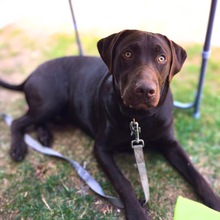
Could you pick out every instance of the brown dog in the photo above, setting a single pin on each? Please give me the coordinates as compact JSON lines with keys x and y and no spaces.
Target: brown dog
{"x":103,"y":99}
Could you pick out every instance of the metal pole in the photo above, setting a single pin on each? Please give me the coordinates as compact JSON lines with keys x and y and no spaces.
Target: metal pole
{"x":76,"y":29}
{"x":205,"y":56}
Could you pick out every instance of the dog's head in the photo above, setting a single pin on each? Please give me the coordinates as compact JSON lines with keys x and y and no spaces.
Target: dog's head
{"x":141,"y":64}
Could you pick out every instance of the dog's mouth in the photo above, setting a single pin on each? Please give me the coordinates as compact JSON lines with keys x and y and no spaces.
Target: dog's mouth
{"x":140,"y":102}
{"x":139,"y":105}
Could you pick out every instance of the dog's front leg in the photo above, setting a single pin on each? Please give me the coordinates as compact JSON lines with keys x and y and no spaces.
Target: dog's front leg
{"x":133,"y":209}
{"x":178,"y":158}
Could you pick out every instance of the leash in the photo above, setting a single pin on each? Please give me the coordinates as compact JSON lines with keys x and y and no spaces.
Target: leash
{"x":136,"y":144}
{"x":84,"y":175}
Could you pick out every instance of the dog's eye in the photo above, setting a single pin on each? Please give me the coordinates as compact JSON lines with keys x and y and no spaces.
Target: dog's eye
{"x":161,"y":59}
{"x":128,"y":54}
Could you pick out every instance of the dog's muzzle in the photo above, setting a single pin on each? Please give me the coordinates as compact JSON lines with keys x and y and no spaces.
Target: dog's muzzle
{"x":141,"y":96}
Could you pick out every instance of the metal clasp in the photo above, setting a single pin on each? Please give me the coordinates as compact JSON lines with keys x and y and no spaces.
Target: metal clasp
{"x":136,"y":130}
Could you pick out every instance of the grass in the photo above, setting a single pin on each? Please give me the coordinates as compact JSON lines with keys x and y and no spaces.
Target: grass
{"x":41,"y":187}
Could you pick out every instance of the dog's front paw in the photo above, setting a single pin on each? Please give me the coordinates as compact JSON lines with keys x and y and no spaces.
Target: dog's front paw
{"x":135,"y":214}
{"x":216,"y":205}
{"x":18,"y":152}
{"x":213,"y":201}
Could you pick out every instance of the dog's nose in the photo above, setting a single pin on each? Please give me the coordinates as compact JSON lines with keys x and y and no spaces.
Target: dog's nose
{"x":147,"y":91}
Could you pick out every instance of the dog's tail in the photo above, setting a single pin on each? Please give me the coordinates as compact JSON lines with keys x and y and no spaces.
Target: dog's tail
{"x":12,"y":87}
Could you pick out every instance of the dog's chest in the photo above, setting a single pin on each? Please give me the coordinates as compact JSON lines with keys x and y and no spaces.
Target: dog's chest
{"x":121,"y":135}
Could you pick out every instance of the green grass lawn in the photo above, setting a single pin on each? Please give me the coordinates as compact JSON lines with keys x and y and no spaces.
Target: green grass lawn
{"x":41,"y":187}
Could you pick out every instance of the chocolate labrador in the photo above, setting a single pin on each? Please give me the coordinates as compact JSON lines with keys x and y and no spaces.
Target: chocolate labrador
{"x":103,"y":97}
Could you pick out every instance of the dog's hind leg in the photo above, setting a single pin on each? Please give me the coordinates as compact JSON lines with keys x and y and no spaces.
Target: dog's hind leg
{"x":46,"y":98}
{"x":18,"y":128}
{"x":44,"y":135}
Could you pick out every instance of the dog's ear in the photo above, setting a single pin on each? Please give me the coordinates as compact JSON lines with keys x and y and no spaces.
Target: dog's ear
{"x":106,"y":47}
{"x":178,"y":57}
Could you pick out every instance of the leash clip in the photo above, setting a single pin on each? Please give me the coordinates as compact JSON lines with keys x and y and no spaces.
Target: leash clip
{"x":136,"y":130}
